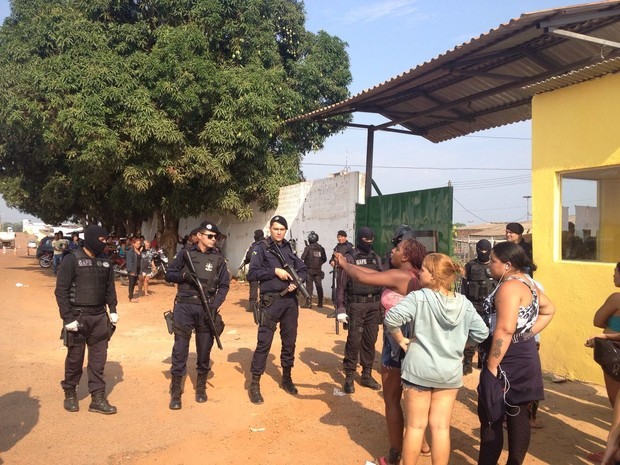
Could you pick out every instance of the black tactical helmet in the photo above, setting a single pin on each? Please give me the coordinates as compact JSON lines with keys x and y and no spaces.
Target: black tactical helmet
{"x":313,"y":237}
{"x":402,"y":232}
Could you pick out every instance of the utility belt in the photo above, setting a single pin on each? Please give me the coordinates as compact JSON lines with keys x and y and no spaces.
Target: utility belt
{"x":364,"y":299}
{"x":271,"y":296}
{"x":190,"y":299}
{"x":90,"y":310}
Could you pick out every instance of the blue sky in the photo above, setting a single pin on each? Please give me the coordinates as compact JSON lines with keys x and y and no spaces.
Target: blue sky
{"x":490,"y":170}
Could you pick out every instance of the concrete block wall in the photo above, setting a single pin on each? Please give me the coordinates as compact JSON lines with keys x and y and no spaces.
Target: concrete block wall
{"x":323,"y":206}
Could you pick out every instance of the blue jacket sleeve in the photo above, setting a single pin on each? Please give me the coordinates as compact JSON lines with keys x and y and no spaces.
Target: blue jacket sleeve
{"x":222,"y":287}
{"x":260,"y":270}
{"x":176,"y":268}
{"x":66,"y":274}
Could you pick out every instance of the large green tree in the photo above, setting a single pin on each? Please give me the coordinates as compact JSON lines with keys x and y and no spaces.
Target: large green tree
{"x":115,"y":110}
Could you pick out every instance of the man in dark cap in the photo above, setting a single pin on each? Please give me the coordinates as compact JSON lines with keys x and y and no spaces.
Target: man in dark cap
{"x":314,"y":256}
{"x":192,"y":238}
{"x":514,"y":234}
{"x":85,"y":285}
{"x":477,"y":284}
{"x":259,"y":236}
{"x":359,"y":305}
{"x":278,"y":304}
{"x":189,"y":314}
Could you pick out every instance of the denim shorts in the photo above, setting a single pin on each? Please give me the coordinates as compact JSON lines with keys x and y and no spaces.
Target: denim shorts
{"x":416,"y":387}
{"x":386,"y":354}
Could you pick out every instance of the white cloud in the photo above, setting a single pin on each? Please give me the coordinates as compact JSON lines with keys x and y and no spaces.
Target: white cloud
{"x":380,"y":9}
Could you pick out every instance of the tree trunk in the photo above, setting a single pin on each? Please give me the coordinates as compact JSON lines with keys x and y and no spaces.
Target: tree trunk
{"x":169,"y":235}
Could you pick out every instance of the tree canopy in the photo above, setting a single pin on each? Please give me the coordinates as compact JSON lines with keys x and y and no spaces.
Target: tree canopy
{"x":116,"y":109}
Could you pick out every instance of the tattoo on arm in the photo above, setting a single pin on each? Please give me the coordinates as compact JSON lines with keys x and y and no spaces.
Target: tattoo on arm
{"x":496,"y":350}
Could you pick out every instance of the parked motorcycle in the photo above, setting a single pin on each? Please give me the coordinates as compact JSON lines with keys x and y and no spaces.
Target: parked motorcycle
{"x":160,"y":260}
{"x":45,"y":260}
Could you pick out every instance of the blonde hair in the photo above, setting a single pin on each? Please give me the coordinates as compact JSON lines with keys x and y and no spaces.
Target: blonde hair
{"x":443,"y":269}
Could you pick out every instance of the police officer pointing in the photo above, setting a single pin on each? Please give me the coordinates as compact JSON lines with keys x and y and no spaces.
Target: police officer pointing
{"x":278,"y":304}
{"x":84,"y":286}
{"x":189,"y":313}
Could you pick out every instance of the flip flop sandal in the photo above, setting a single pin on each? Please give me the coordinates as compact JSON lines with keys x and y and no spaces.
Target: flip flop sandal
{"x":382,"y":461}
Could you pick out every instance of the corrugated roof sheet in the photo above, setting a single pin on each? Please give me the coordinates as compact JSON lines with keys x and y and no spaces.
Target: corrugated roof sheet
{"x":490,"y":80}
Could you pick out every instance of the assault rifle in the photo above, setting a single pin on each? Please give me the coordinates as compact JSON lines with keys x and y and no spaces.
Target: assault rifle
{"x":290,"y":270}
{"x":335,"y":296}
{"x":203,"y":298}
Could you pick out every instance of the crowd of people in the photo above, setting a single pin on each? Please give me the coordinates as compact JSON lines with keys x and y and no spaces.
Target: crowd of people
{"x":430,"y":332}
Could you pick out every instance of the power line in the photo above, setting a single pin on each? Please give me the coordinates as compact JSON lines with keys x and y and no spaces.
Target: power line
{"x":469,"y":211}
{"x":459,"y":168}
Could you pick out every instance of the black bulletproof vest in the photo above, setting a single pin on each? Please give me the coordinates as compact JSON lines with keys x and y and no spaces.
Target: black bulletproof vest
{"x":371,"y":261}
{"x":207,"y":267}
{"x":343,"y":248}
{"x":314,"y":259}
{"x":480,"y":284}
{"x":90,"y":285}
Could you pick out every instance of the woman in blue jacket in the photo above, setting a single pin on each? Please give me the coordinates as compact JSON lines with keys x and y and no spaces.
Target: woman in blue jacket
{"x":442,"y":322}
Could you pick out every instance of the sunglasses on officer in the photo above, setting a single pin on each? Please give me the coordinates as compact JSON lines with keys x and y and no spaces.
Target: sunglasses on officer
{"x":208,"y":235}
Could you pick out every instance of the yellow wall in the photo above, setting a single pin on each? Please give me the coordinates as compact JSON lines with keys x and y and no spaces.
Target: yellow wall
{"x":572,"y":128}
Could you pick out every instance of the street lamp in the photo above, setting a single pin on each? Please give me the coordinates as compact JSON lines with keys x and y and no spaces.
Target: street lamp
{"x":527,"y":211}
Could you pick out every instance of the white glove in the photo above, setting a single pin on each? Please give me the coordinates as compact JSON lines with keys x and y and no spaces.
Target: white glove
{"x":114,"y":318}
{"x":343,"y":318}
{"x":73,"y":326}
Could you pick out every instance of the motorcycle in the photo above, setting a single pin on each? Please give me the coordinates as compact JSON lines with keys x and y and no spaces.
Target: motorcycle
{"x":160,"y":261}
{"x":45,"y":260}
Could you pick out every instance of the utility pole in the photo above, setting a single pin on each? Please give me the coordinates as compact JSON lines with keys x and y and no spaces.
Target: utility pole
{"x":527,"y":211}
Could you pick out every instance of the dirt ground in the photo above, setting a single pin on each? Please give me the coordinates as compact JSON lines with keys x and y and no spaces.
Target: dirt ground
{"x":316,"y":427}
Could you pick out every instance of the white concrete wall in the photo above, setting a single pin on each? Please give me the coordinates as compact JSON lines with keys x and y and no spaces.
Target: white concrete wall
{"x":323,"y":206}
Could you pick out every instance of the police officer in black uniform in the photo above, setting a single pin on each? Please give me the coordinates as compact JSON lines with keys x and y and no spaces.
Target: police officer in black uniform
{"x":314,"y":256}
{"x":342,"y":247}
{"x":477,"y":285}
{"x":189,"y":314}
{"x":359,"y":305}
{"x":84,"y":286}
{"x":278,"y":304}
{"x":259,"y":236}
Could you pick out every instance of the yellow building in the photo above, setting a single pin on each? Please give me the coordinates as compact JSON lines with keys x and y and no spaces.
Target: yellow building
{"x":561,"y":68}
{"x":576,"y":170}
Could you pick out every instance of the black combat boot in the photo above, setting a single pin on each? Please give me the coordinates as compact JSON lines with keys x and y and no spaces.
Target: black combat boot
{"x":201,"y":388}
{"x":319,"y":294}
{"x":368,"y":381}
{"x":287,"y":381}
{"x":349,"y":386}
{"x":255,"y":395}
{"x":176,"y":389}
{"x":307,"y":304}
{"x":99,"y":404}
{"x":71,"y":400}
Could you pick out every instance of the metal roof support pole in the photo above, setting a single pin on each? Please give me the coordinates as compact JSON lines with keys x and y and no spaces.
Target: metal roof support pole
{"x":370,"y":145}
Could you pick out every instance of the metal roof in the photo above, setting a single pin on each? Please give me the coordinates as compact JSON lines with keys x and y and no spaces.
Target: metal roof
{"x":490,"y":80}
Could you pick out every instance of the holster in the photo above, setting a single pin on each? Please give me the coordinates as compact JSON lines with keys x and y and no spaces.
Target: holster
{"x":263,"y":319}
{"x":169,"y":321}
{"x":71,"y":338}
{"x":218,"y":322}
